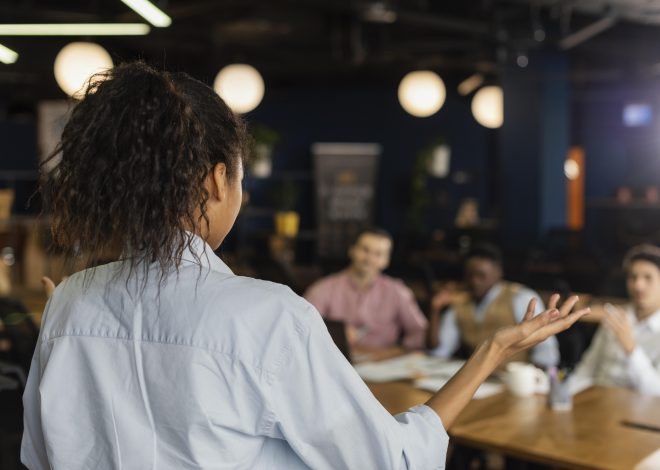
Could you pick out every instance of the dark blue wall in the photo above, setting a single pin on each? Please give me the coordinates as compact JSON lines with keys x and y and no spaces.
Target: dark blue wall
{"x":534,"y":142}
{"x":19,"y":145}
{"x":373,"y":114}
{"x":617,"y":155}
{"x":305,"y":116}
{"x":18,"y":157}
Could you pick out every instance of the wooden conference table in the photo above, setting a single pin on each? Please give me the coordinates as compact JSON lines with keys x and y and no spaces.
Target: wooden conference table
{"x":591,"y":436}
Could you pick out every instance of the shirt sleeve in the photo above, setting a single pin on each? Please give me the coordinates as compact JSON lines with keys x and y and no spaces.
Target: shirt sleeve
{"x":586,"y":368}
{"x":546,"y":353}
{"x":329,"y":417}
{"x":643,"y":375}
{"x":449,"y":336}
{"x":412,"y":320}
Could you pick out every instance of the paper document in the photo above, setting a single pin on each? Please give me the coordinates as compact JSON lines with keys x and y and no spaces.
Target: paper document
{"x":410,"y":366}
{"x":651,"y":462}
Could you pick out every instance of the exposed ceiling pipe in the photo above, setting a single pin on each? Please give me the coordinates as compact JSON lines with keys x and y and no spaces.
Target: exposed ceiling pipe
{"x":586,"y":33}
{"x":445,"y":22}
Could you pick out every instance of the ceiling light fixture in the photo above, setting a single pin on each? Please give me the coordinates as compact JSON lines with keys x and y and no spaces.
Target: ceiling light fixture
{"x":76,"y":63}
{"x":571,"y":169}
{"x":149,"y":12}
{"x":422,"y":93}
{"x":75,"y":29}
{"x":488,"y":107}
{"x":522,"y":60}
{"x":7,"y":56}
{"x":379,"y":12}
{"x":539,"y":34}
{"x":241,"y":86}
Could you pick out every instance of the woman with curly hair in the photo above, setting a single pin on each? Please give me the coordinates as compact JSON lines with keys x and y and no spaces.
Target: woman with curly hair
{"x":165,"y":359}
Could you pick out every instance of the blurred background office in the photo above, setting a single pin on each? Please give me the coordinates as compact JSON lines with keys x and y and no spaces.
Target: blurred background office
{"x":530,"y":124}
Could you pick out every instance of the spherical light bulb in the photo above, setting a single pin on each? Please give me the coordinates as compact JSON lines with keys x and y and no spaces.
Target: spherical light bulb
{"x":571,"y":169}
{"x":488,"y":107}
{"x":422,"y":93}
{"x":241,"y":86}
{"x":76,"y":63}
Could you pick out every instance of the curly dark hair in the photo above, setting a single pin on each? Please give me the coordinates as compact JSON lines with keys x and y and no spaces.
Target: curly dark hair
{"x":134,"y":157}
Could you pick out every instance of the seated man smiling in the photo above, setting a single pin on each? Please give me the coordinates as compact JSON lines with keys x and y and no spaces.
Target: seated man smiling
{"x":376,"y":308}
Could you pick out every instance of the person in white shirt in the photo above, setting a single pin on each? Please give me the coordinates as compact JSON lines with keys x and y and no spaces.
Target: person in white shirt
{"x":490,"y":303}
{"x":625,"y":351}
{"x":165,"y":359}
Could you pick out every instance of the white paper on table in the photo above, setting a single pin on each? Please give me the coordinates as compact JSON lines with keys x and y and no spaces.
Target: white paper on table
{"x":651,"y":462}
{"x":485,"y":390}
{"x":436,"y":366}
{"x":399,"y":368}
{"x":409,"y":366}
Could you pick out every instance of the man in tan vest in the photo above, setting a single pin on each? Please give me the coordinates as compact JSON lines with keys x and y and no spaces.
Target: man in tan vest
{"x":489,"y":304}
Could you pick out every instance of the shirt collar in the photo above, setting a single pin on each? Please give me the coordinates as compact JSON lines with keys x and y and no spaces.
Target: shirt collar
{"x":354,"y":286}
{"x":653,"y":321}
{"x":491,"y":294}
{"x":205,"y":256}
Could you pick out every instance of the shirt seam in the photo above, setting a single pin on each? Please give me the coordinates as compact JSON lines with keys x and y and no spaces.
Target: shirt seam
{"x":264,"y":372}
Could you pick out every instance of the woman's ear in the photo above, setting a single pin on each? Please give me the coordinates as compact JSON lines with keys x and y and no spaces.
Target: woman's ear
{"x":218,"y":181}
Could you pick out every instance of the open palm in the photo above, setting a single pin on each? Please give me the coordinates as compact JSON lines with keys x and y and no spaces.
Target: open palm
{"x":534,"y":329}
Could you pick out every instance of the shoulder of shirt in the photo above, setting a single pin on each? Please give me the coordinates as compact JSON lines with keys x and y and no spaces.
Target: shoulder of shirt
{"x":394,"y":282}
{"x":254,"y":301}
{"x":325,"y":283}
{"x":520,"y":290}
{"x":258,"y":293}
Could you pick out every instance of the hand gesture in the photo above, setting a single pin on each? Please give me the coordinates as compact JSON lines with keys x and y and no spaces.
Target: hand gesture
{"x":443,"y":297}
{"x":616,"y":320}
{"x":534,"y":329}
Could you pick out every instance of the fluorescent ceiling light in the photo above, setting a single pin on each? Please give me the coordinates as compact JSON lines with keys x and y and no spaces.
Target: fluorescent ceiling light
{"x":7,"y":56}
{"x":149,"y":12}
{"x":75,"y":29}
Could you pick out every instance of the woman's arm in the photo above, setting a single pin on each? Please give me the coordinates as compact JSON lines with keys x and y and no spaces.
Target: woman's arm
{"x":457,"y":393}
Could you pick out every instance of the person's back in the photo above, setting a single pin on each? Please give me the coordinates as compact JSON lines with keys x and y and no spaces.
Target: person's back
{"x":176,"y":378}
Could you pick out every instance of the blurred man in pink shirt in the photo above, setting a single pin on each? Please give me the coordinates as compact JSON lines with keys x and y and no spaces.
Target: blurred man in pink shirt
{"x":377,"y":309}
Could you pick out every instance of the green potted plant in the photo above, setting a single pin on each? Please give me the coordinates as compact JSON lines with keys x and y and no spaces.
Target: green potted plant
{"x":263,"y":141}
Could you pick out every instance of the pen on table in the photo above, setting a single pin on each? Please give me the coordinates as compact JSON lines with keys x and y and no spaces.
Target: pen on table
{"x":645,"y":427}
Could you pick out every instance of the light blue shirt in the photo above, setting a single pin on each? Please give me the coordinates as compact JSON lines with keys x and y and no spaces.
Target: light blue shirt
{"x":544,"y":354}
{"x":206,"y":371}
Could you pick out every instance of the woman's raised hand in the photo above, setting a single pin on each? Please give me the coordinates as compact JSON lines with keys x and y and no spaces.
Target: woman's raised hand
{"x":534,"y":329}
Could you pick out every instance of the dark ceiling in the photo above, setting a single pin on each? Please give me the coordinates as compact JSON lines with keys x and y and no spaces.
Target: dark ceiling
{"x":349,"y":41}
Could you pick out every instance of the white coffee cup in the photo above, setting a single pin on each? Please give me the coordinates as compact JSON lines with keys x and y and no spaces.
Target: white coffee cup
{"x":524,"y":379}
